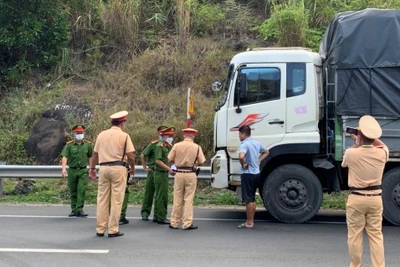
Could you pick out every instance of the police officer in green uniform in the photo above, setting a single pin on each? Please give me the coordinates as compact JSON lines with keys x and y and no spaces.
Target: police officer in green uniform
{"x":149,"y":163}
{"x":161,"y":175}
{"x":76,"y":154}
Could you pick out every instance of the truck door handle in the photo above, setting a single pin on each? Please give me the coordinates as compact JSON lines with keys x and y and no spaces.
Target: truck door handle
{"x":276,"y":122}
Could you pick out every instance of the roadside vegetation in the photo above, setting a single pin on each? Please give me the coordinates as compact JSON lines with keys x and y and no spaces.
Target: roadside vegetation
{"x":55,"y":191}
{"x":139,"y":56}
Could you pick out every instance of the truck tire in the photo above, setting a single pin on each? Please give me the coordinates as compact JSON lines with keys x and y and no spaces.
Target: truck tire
{"x":292,"y":193}
{"x":391,"y":196}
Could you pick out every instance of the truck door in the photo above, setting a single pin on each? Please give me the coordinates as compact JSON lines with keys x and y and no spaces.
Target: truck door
{"x":262,"y":105}
{"x":302,"y":99}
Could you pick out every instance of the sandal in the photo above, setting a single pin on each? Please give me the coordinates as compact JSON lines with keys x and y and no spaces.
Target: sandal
{"x":244,"y":226}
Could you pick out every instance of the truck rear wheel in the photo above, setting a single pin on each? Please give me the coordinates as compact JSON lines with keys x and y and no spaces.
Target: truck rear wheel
{"x":292,"y":193}
{"x":391,"y":196}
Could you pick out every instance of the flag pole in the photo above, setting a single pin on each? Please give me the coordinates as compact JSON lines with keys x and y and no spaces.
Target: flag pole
{"x":187,"y":110}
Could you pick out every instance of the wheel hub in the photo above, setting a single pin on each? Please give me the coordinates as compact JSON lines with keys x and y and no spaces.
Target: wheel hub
{"x":396,"y":195}
{"x":293,"y":193}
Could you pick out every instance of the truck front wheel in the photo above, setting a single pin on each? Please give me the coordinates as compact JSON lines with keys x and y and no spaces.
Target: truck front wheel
{"x":391,"y":196}
{"x":292,"y":193}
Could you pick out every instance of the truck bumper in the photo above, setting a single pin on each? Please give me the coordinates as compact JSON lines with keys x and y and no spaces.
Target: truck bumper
{"x":219,"y":170}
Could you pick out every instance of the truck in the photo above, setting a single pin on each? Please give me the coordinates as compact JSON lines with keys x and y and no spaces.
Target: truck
{"x":298,"y":104}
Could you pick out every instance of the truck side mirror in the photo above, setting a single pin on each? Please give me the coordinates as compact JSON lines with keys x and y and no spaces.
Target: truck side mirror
{"x":216,"y":86}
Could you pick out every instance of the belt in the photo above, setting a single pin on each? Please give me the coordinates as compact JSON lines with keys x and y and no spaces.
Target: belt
{"x":113,"y":163}
{"x":78,"y":168}
{"x":181,"y":171}
{"x":366,"y":195}
{"x":372,"y":187}
{"x":185,"y":168}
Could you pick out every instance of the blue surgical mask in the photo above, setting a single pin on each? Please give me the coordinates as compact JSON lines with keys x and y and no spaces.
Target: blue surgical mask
{"x":159,"y":138}
{"x":79,"y":137}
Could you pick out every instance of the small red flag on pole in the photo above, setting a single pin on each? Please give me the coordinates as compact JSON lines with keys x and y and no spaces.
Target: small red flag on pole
{"x":190,"y":107}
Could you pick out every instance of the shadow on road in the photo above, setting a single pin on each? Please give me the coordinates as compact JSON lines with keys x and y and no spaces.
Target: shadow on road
{"x":323,"y":216}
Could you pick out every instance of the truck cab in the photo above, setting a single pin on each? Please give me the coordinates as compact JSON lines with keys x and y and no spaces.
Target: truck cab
{"x":283,"y":95}
{"x":278,"y":99}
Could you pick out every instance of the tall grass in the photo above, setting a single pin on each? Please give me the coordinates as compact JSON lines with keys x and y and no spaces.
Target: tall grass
{"x":121,"y":20}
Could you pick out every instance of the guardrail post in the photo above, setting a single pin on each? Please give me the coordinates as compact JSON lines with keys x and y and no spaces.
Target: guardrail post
{"x":1,"y":180}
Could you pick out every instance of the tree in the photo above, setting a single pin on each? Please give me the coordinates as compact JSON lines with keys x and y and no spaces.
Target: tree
{"x":33,"y":33}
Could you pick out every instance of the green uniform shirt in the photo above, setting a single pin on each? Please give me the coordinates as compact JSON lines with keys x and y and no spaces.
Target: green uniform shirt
{"x":161,"y":153}
{"x":150,"y":152}
{"x":77,"y":154}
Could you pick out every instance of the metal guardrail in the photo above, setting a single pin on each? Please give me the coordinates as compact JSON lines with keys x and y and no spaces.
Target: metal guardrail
{"x":47,"y":172}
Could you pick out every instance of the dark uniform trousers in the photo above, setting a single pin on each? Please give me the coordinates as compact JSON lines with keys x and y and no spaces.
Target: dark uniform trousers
{"x":77,"y":183}
{"x":161,"y":191}
{"x":126,"y":198}
{"x":149,"y":196}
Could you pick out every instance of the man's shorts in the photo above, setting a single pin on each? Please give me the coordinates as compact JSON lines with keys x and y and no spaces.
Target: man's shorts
{"x":249,"y":186}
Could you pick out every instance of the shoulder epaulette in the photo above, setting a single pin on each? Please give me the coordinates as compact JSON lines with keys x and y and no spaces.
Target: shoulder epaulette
{"x":87,"y":141}
{"x":154,"y":142}
{"x":70,"y":142}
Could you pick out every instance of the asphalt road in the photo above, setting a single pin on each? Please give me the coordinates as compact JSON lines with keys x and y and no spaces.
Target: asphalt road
{"x":44,"y":236}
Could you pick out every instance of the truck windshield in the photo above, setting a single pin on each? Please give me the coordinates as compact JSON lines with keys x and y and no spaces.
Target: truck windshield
{"x":226,"y":85}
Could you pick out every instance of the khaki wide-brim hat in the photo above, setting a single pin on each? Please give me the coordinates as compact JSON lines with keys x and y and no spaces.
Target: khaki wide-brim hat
{"x":189,"y":131}
{"x":369,"y":127}
{"x":119,"y":116}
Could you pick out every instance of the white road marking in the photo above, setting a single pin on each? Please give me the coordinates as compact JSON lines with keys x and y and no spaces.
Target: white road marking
{"x":140,"y":218}
{"x":38,"y":250}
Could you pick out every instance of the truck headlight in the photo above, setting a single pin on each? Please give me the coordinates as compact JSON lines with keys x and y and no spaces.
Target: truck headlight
{"x":216,"y":165}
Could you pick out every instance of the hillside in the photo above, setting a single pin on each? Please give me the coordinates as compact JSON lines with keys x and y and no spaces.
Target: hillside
{"x":139,"y":56}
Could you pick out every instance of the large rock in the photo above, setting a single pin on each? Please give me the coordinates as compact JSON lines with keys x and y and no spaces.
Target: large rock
{"x":24,"y":187}
{"x":49,"y":135}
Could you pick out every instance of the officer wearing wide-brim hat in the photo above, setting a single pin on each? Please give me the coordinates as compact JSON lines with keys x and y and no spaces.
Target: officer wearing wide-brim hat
{"x":187,"y":156}
{"x":161,"y":171}
{"x":149,"y":164}
{"x":76,"y":154}
{"x":113,"y":150}
{"x":366,"y":161}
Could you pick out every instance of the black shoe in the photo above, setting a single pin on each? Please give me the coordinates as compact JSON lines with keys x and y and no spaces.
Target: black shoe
{"x":145,"y":218}
{"x":170,"y":226}
{"x":164,"y":222}
{"x":72,"y":214}
{"x":99,"y":234}
{"x":192,"y":227}
{"x":123,"y":221}
{"x":81,"y":214}
{"x":116,"y":234}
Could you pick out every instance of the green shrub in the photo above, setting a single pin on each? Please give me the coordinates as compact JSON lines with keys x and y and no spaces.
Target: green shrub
{"x":12,"y":148}
{"x":32,"y":34}
{"x":207,"y":18}
{"x":288,"y":24}
{"x":313,"y":38}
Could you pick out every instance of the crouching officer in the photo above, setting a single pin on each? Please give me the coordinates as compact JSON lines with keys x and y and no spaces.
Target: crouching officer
{"x":76,"y":154}
{"x":366,"y":161}
{"x":186,"y":155}
{"x":162,"y":169}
